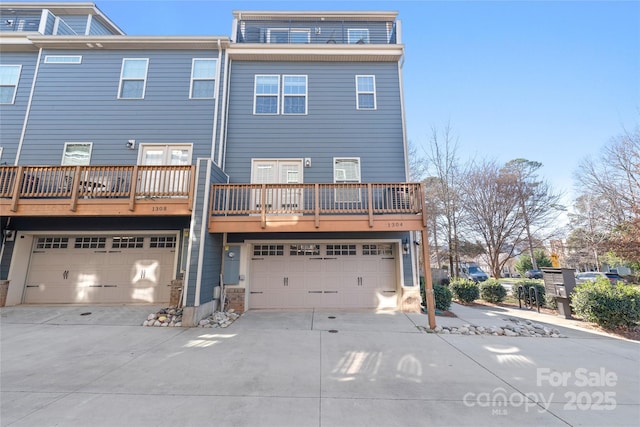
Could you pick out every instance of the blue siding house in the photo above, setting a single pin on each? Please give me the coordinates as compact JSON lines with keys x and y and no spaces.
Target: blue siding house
{"x":270,"y":164}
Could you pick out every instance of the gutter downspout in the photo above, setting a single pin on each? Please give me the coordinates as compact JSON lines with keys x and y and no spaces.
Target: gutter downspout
{"x":215,"y":110}
{"x":26,"y":114}
{"x":225,"y":103}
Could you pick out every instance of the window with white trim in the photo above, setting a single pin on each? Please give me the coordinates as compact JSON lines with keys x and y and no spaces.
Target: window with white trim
{"x":63,"y":59}
{"x":366,"y":92}
{"x":266,"y":94}
{"x":358,"y":35}
{"x":133,"y":78}
{"x":9,"y":78}
{"x":294,"y":94}
{"x":76,"y":153}
{"x":346,"y":171}
{"x":203,"y":78}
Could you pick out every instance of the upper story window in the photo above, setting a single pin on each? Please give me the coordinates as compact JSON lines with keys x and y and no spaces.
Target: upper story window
{"x":358,"y":35}
{"x":63,"y":59}
{"x":203,"y":78}
{"x":285,"y":35}
{"x":267,"y":90}
{"x":76,"y":153}
{"x":9,"y":77}
{"x":268,"y":94}
{"x":366,"y":92}
{"x":294,"y":94}
{"x":133,"y":78}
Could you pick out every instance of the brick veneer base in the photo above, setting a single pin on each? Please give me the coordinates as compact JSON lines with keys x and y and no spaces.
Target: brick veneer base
{"x":235,"y":298}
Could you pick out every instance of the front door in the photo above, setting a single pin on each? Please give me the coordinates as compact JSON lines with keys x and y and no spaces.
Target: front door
{"x":277,"y":200}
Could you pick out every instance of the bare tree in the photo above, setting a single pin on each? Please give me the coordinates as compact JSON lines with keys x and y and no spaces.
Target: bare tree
{"x":538,"y":204}
{"x":444,"y":168}
{"x":492,"y":203}
{"x":589,"y":233}
{"x":614,"y":179}
{"x":417,"y":164}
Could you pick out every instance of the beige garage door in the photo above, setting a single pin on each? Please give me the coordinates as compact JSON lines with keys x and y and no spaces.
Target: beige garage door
{"x":101,"y":269}
{"x":311,"y":275}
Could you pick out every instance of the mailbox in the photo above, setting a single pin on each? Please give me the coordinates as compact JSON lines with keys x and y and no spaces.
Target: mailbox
{"x":559,"y":283}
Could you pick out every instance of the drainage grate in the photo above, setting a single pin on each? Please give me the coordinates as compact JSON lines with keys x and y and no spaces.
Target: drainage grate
{"x":85,"y":313}
{"x":332,"y":317}
{"x":333,"y":331}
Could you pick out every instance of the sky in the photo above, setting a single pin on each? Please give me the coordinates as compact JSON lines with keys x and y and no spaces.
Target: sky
{"x":546,"y":81}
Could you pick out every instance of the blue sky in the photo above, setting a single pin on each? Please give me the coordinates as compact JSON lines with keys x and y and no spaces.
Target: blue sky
{"x":545,"y":81}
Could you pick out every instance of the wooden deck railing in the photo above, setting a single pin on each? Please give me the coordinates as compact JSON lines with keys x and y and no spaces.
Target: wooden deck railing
{"x":317,"y":200}
{"x":76,"y":183}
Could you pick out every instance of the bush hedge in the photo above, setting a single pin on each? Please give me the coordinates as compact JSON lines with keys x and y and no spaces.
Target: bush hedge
{"x":608,"y":305}
{"x":464,"y":290}
{"x":492,"y":291}
{"x":442,"y":295}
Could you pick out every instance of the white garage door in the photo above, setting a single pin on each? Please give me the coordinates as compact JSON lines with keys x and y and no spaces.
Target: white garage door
{"x":101,"y":269}
{"x":315,"y":275}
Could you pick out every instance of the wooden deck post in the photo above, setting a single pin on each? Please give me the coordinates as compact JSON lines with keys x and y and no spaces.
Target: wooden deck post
{"x":263,"y":206}
{"x":75,"y":184}
{"x":317,"y":204}
{"x":370,"y":204}
{"x":17,"y":184}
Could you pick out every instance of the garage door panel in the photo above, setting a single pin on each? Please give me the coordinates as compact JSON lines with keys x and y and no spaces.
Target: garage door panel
{"x":86,"y":270}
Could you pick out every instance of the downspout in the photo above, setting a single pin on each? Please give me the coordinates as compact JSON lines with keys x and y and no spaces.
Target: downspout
{"x":215,"y":112}
{"x":414,"y":255}
{"x":225,"y":102}
{"x":203,"y":234}
{"x":26,"y":114}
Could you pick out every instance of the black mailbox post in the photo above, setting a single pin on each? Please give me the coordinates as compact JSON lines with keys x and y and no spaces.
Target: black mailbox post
{"x":559,"y":283}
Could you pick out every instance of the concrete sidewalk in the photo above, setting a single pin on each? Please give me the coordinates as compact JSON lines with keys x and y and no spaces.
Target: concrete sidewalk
{"x":307,"y":368}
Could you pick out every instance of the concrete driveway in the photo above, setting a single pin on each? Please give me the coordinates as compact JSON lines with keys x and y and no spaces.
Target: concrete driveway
{"x":304,"y":368}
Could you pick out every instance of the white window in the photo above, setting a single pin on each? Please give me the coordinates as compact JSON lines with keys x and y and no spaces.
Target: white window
{"x":365,"y":92}
{"x":346,"y":171}
{"x":63,"y":59}
{"x":267,"y":89}
{"x":203,"y":78}
{"x":358,"y":35}
{"x":294,"y":95}
{"x":76,"y":153}
{"x":9,"y":77}
{"x":133,"y":78}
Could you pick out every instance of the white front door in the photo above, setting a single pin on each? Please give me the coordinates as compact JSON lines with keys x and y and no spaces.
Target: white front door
{"x":278,"y":172}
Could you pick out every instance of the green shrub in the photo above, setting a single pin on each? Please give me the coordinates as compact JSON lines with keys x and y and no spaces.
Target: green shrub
{"x":492,"y":291}
{"x":464,"y":290}
{"x":608,"y":305}
{"x":528,"y":284}
{"x":442,"y":295}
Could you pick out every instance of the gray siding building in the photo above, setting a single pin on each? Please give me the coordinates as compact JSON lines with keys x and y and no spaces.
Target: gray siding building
{"x":270,"y":164}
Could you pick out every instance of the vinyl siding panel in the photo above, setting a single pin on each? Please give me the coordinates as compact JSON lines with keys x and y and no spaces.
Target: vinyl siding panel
{"x":98,"y":29}
{"x":77,"y":22}
{"x":80,"y":103}
{"x":51,"y":19}
{"x":332,"y":128}
{"x":12,"y":115}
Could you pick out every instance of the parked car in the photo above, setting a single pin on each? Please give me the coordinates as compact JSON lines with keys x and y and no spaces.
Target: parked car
{"x":533,"y":274}
{"x":593,"y":275}
{"x":474,"y":273}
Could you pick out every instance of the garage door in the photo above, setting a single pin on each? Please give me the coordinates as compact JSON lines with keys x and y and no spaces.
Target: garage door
{"x":312,"y":275}
{"x":101,"y":269}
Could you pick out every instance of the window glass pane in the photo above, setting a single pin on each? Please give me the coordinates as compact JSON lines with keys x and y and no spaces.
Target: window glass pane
{"x":347,"y":170}
{"x":359,"y":35}
{"x":76,"y":154}
{"x":267,"y":85}
{"x":62,"y":59}
{"x":279,"y":36}
{"x":296,"y":85}
{"x":179,"y":156}
{"x":9,"y":74}
{"x":132,"y":88}
{"x":294,"y":105}
{"x":204,"y":68}
{"x":299,"y":36}
{"x":365,"y":100}
{"x":203,"y":89}
{"x":134,"y":68}
{"x":267,"y":104}
{"x":365,"y":84}
{"x":6,"y":94}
